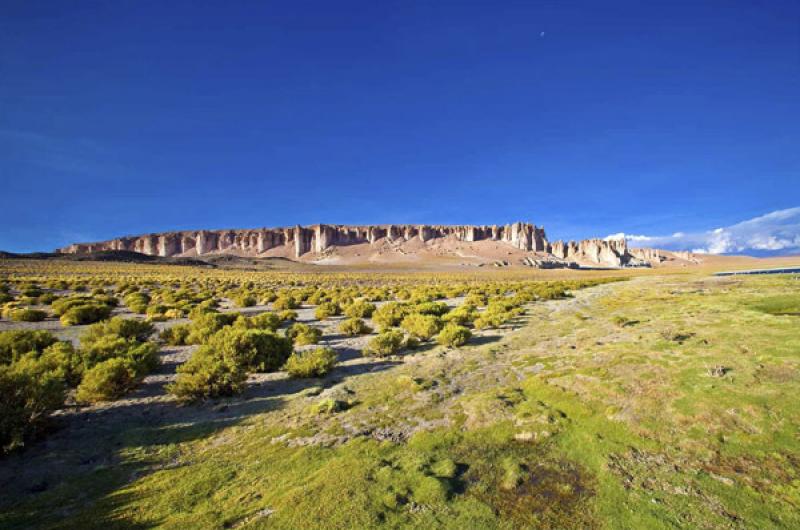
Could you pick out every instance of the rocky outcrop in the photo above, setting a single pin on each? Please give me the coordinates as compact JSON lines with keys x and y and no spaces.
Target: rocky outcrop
{"x":316,"y":238}
{"x":599,"y":252}
{"x":650,"y":255}
{"x":309,"y":241}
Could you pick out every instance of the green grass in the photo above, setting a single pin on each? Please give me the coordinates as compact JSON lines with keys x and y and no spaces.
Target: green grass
{"x":666,"y":402}
{"x":780,"y":305}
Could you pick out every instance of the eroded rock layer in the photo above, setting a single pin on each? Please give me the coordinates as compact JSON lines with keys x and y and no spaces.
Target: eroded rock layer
{"x":309,"y":241}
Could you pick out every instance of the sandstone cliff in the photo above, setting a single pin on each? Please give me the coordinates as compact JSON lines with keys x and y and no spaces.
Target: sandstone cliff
{"x":308,"y":242}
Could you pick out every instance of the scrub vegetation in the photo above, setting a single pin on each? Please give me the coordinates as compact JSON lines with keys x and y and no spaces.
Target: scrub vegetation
{"x":423,"y":400}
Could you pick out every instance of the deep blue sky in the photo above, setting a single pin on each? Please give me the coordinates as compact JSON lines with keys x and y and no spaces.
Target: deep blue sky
{"x":588,"y":117}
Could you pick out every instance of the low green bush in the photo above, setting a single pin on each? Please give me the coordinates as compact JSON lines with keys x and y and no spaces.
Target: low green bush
{"x":390,"y":314}
{"x":85,"y":314}
{"x":64,"y":360}
{"x":62,"y":305}
{"x":204,"y":307}
{"x":420,"y":326}
{"x":453,"y":335}
{"x":354,"y":326}
{"x":432,"y":308}
{"x":386,"y":343}
{"x":15,"y":343}
{"x":26,"y":400}
{"x":208,"y":375}
{"x":283,"y":302}
{"x":257,"y":349}
{"x":303,"y":334}
{"x":245,"y":300}
{"x":360,"y":309}
{"x":175,"y":335}
{"x":27,"y":315}
{"x":311,"y":363}
{"x":127,"y":328}
{"x":327,"y":310}
{"x":287,"y":315}
{"x":463,"y":315}
{"x":204,"y":325}
{"x":143,"y":358}
{"x":267,"y":320}
{"x":107,"y":380}
{"x":137,"y":302}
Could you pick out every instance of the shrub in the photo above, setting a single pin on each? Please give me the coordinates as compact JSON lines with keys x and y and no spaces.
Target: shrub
{"x":284,"y":301}
{"x":13,"y":344}
{"x":462,"y":315}
{"x":287,"y":315}
{"x":175,"y":335}
{"x":27,"y":315}
{"x":267,"y":320}
{"x":303,"y":334}
{"x":107,"y":380}
{"x":491,"y":320}
{"x":360,"y":309}
{"x":62,"y":305}
{"x":47,"y":298}
{"x":421,"y":326}
{"x":386,"y":343}
{"x":267,"y":297}
{"x":85,"y":314}
{"x":390,"y":314}
{"x":354,"y":326}
{"x":453,"y":335}
{"x":432,"y":308}
{"x":207,"y":324}
{"x":26,"y":399}
{"x":127,"y":328}
{"x":143,"y":358}
{"x":203,"y":308}
{"x":245,"y":300}
{"x":60,"y":360}
{"x":63,"y":359}
{"x":208,"y":375}
{"x":327,"y":310}
{"x":311,"y":363}
{"x":120,"y":338}
{"x":258,"y":349}
{"x":137,"y":302}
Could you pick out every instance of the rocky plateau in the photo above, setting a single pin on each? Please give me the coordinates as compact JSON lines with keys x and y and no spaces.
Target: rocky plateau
{"x":512,"y":244}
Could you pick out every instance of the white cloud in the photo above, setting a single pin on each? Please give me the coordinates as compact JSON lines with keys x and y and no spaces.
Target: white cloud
{"x":777,"y":231}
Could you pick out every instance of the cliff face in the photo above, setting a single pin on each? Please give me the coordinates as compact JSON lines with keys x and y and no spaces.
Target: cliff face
{"x":309,"y":241}
{"x":612,"y":253}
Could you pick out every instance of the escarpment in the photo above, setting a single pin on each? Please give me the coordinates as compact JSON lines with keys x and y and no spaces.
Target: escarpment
{"x":315,"y":242}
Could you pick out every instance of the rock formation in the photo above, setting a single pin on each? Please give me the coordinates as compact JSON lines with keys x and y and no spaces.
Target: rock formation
{"x":307,"y":242}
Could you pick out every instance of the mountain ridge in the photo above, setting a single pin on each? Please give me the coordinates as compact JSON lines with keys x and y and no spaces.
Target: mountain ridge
{"x":520,"y":242}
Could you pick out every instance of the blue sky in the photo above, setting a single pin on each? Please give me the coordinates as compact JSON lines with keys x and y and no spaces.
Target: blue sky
{"x":590,"y":118}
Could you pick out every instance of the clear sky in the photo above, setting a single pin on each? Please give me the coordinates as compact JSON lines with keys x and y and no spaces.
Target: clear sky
{"x":590,"y":118}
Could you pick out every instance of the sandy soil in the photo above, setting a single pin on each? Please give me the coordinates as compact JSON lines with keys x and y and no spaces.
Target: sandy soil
{"x":87,"y":437}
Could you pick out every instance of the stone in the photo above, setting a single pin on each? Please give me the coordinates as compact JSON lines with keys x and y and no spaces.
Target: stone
{"x":316,"y":239}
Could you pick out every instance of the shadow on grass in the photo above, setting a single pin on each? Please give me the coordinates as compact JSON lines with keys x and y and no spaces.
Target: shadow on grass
{"x":75,"y":476}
